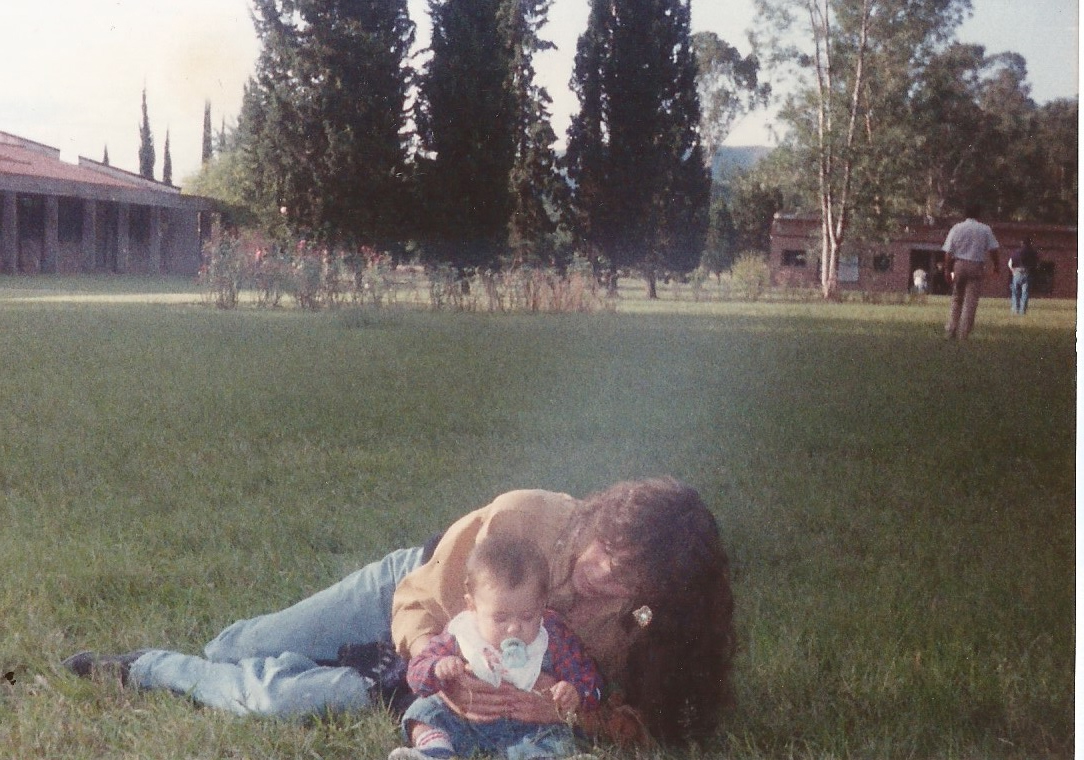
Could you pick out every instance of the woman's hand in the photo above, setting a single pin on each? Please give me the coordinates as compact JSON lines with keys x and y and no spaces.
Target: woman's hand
{"x":476,"y":700}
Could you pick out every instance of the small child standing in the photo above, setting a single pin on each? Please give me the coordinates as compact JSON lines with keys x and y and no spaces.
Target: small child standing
{"x":504,"y":636}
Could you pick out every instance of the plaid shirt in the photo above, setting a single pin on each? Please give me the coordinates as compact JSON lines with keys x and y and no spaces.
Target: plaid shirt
{"x":565,"y":659}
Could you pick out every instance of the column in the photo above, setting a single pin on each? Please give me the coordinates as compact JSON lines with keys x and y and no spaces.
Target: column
{"x":9,"y":234}
{"x":154,"y":264}
{"x":124,"y":244}
{"x":89,"y":243}
{"x":50,"y":243}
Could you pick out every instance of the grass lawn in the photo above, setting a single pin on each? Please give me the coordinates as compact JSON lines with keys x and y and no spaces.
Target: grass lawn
{"x":899,"y":510}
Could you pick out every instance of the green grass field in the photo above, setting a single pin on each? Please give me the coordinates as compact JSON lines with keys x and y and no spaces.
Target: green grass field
{"x":899,"y":510}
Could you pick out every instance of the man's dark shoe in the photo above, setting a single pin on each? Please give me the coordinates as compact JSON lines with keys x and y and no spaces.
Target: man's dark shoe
{"x":380,"y":662}
{"x":94,"y":665}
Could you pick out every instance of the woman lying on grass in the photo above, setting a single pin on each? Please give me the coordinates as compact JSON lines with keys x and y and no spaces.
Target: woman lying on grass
{"x":638,"y":572}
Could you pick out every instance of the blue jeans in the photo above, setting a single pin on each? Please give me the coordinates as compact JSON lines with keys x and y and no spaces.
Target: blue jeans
{"x":267,"y":665}
{"x":1019,"y":291}
{"x":508,"y":738}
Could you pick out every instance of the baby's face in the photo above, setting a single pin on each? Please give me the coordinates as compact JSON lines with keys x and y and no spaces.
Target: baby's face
{"x":506,"y":613}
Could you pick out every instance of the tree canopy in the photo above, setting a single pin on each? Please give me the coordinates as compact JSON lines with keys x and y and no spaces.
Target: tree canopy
{"x":347,"y":136}
{"x":894,"y":118}
{"x":640,"y":186}
{"x":323,"y":121}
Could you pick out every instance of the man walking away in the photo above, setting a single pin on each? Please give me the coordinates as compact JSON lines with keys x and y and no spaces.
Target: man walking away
{"x":968,"y":244}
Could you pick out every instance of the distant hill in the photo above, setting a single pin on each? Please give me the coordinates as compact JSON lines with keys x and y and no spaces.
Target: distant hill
{"x":732,"y":159}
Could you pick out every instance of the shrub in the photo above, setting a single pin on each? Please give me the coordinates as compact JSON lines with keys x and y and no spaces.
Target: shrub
{"x":223,"y":270}
{"x":750,"y":276}
{"x":271,"y":275}
{"x":526,"y":288}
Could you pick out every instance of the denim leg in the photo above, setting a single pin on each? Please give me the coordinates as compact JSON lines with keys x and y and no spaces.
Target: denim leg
{"x":356,"y":610}
{"x":551,"y":741}
{"x":1025,"y":286}
{"x":1018,"y":292}
{"x":289,"y":685}
{"x":505,"y":737}
{"x":266,"y":665}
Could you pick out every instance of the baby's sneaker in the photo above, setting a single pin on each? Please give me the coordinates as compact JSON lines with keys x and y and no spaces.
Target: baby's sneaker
{"x":410,"y":753}
{"x":407,"y":753}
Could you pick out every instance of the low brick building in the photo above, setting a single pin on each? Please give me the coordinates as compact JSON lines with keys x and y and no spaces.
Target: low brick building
{"x":794,"y":259}
{"x":63,"y":218}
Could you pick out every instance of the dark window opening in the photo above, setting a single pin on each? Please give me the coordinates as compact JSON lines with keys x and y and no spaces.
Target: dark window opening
{"x":31,"y":210}
{"x":794,"y":258}
{"x":139,"y":224}
{"x":69,"y":228}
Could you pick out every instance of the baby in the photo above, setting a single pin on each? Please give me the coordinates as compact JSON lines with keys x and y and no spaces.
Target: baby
{"x":504,"y":636}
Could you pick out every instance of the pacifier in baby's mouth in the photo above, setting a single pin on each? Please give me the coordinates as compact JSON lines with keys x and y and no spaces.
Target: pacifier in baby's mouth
{"x":513,"y":653}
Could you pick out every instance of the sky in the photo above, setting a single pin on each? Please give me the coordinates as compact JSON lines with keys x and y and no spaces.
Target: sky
{"x":72,"y":72}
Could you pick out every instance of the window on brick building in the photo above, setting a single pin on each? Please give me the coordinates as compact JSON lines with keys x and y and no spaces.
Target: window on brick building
{"x":794,"y":258}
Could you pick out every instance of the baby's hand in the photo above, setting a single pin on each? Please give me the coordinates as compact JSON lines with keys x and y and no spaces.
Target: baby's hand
{"x":566,"y":698}
{"x":449,"y":668}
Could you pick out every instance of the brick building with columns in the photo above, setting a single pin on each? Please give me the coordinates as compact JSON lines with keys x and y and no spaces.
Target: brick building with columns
{"x":63,"y":218}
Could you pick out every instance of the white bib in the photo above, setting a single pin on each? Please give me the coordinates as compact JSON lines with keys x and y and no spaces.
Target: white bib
{"x":489,"y":663}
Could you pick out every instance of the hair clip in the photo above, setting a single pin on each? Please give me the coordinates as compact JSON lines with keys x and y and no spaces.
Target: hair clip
{"x":642,"y":616}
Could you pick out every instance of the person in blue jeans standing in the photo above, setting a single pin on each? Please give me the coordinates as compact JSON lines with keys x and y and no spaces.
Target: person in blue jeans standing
{"x":1022,"y":264}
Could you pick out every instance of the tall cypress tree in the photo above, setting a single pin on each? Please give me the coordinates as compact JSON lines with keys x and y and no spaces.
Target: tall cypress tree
{"x":146,"y":143}
{"x":105,"y":155}
{"x":467,"y":125}
{"x":208,"y":144}
{"x":537,"y":192}
{"x":167,"y":162}
{"x":634,"y":155}
{"x":324,"y":118}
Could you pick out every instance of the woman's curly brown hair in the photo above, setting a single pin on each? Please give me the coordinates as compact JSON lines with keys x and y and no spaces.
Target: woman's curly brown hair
{"x":679,"y":666}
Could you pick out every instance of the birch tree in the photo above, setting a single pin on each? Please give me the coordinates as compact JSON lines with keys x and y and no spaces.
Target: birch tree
{"x":853,"y":62}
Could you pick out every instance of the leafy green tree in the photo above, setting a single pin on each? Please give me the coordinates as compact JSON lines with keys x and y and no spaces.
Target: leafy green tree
{"x":1053,"y":180}
{"x":727,"y":85}
{"x":146,"y":143}
{"x":641,"y":189}
{"x":754,"y":204}
{"x":1005,"y":100}
{"x":947,"y":120}
{"x":979,"y":136}
{"x":227,"y":177}
{"x":853,"y":61}
{"x":719,"y":246}
{"x":167,"y":162}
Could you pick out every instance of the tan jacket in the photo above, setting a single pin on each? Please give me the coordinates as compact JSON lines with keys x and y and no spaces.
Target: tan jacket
{"x":433,"y":594}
